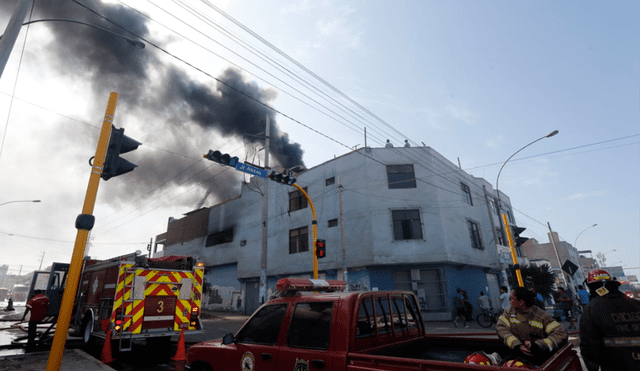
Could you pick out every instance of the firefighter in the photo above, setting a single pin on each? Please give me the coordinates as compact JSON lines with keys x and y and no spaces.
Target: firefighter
{"x":38,"y":306}
{"x":609,"y":326}
{"x":531,"y":332}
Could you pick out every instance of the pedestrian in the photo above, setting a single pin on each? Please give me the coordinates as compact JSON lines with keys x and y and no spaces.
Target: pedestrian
{"x":406,"y":143}
{"x":9,"y":307}
{"x":583,"y":294}
{"x":609,"y":326}
{"x":459,"y":305}
{"x":504,"y":298}
{"x":38,"y":306}
{"x":565,"y":305}
{"x":539,"y":299}
{"x":468,"y":307}
{"x":484,"y":302}
{"x":529,"y":331}
{"x":388,"y":145}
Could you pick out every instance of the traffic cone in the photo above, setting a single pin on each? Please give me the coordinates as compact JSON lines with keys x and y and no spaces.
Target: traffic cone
{"x":180,"y":353}
{"x":105,"y":356}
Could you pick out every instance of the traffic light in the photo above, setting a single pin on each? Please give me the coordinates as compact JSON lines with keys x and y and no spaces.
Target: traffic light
{"x":115,"y":165}
{"x":321,"y":249}
{"x":222,"y":158}
{"x":517,"y":240}
{"x":281,"y":178}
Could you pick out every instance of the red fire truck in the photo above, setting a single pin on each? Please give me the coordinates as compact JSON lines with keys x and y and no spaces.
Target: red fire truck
{"x":132,"y":296}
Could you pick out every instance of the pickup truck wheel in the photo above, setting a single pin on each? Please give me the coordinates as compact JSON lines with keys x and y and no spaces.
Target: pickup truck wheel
{"x":199,"y":366}
{"x":87,"y":327}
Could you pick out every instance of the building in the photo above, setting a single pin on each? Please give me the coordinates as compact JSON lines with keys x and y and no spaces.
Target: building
{"x":412,"y":220}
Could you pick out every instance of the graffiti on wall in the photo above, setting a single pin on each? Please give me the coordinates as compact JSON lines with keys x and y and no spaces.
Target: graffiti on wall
{"x":223,"y":298}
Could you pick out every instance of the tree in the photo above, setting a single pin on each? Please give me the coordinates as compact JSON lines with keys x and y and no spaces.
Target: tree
{"x":601,"y":258}
{"x":539,"y":277}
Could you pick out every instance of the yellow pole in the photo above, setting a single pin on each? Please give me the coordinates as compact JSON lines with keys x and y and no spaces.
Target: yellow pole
{"x":314,"y":231}
{"x":75,"y":268}
{"x":513,"y":249}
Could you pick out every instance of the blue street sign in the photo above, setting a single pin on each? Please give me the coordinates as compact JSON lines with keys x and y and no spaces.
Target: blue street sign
{"x":251,"y":170}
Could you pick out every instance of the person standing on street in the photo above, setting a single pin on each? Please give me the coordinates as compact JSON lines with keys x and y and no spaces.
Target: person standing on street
{"x":609,"y":326}
{"x":530,"y":331}
{"x":583,"y":294}
{"x":459,"y":305}
{"x":565,"y":304}
{"x":504,"y":298}
{"x":484,"y":302}
{"x":38,"y":306}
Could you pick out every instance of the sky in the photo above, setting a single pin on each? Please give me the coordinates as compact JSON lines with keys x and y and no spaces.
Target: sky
{"x":474,"y":80}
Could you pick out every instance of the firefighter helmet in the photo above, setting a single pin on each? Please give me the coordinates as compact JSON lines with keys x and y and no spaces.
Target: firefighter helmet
{"x":478,"y":358}
{"x":517,"y":363}
{"x":598,"y":275}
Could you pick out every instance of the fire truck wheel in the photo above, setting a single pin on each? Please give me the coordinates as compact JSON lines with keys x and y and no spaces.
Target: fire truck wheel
{"x":87,"y":327}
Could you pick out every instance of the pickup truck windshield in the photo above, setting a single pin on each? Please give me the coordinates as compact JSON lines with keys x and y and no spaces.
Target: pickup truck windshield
{"x":264,"y":326}
{"x":311,"y":325}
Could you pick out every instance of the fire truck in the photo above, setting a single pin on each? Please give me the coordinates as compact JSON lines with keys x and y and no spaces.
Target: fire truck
{"x":132,"y":296}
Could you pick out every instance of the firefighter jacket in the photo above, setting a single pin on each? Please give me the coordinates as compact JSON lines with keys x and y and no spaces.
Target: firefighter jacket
{"x":535,"y":325}
{"x":610,"y":332}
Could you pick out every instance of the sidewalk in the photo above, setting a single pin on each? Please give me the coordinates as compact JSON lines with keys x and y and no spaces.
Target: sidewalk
{"x":72,"y":360}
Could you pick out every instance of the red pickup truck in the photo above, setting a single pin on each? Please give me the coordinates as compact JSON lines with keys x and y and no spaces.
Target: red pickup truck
{"x":364,"y":331}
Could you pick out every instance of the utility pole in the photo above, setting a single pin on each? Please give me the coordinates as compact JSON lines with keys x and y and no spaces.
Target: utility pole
{"x":41,"y":259}
{"x":342,"y":237}
{"x":265,"y":216}
{"x":10,"y":35}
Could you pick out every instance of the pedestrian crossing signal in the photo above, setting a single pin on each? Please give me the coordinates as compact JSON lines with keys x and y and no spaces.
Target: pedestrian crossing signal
{"x":321,"y":249}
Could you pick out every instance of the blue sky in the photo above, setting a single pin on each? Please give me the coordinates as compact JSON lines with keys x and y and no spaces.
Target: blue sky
{"x":475,"y":80}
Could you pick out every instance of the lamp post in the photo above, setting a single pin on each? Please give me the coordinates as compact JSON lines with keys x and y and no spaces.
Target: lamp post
{"x":576,"y":241}
{"x":503,"y":220}
{"x":10,"y":202}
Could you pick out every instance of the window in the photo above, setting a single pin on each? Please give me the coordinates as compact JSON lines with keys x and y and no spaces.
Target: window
{"x":401,"y":176}
{"x":333,"y":223}
{"x":412,"y":312}
{"x":406,"y":224}
{"x":330,"y":181}
{"x":219,"y":237}
{"x":297,"y":200}
{"x":365,"y":319}
{"x":382,"y":315}
{"x":474,"y":231}
{"x":466,"y":193}
{"x":397,"y":312}
{"x":299,"y":240}
{"x":264,"y":326}
{"x":500,"y":238}
{"x":311,"y":325}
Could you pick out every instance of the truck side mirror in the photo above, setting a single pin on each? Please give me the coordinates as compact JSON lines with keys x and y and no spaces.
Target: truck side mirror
{"x":228,"y":339}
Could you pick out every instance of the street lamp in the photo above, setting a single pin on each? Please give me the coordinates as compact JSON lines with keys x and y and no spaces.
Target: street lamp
{"x":503,"y":221}
{"x":9,"y":202}
{"x":576,"y":241}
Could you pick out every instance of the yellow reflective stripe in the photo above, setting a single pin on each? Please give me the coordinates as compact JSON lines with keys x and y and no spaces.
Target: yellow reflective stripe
{"x":537,"y":324}
{"x":622,"y":342}
{"x":549,"y":344}
{"x":504,"y":320}
{"x":510,"y":340}
{"x":551,"y":326}
{"x":514,"y":320}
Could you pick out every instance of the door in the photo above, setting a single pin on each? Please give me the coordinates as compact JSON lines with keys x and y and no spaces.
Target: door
{"x":308,"y":341}
{"x":251,"y":297}
{"x":257,"y":340}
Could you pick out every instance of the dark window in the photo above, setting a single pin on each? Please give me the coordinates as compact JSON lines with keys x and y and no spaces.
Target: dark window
{"x":219,"y":237}
{"x":311,"y":325}
{"x":412,"y":312}
{"x":474,"y":231}
{"x":365,"y":319}
{"x":406,"y":225}
{"x":330,"y":181}
{"x":466,"y":193}
{"x":333,"y":223}
{"x":401,"y":176}
{"x":298,"y":240}
{"x":499,"y":236}
{"x":297,"y":200}
{"x":397,"y":311}
{"x":264,"y":326}
{"x":382,"y":316}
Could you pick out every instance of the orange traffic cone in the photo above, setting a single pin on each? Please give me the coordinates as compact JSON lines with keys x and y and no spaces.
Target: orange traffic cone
{"x":180,"y":353}
{"x":105,"y":356}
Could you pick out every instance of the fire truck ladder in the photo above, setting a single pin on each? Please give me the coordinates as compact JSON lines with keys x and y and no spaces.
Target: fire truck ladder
{"x":126,"y":342}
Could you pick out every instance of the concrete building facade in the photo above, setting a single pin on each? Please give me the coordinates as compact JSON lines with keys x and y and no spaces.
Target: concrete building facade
{"x":412,"y":220}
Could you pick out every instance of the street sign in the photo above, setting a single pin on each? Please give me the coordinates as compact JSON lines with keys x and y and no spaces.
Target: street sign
{"x":569,"y":267}
{"x":262,"y":173}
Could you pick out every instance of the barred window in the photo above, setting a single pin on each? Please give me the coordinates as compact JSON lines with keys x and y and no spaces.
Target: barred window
{"x":401,"y":176}
{"x":406,"y":224}
{"x":298,"y":240}
{"x":474,"y":231}
{"x":297,"y":200}
{"x":466,"y":193}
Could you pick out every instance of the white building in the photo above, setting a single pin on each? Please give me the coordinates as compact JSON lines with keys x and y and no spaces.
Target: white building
{"x":412,"y":221}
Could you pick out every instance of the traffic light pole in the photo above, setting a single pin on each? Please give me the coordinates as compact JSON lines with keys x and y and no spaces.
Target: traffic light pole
{"x":84,"y":224}
{"x":314,"y":231}
{"x":513,"y":249}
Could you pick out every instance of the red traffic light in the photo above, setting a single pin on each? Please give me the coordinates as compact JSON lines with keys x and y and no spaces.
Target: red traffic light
{"x":321,"y":249}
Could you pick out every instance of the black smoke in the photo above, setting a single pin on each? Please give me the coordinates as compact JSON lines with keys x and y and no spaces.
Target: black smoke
{"x":184,"y":118}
